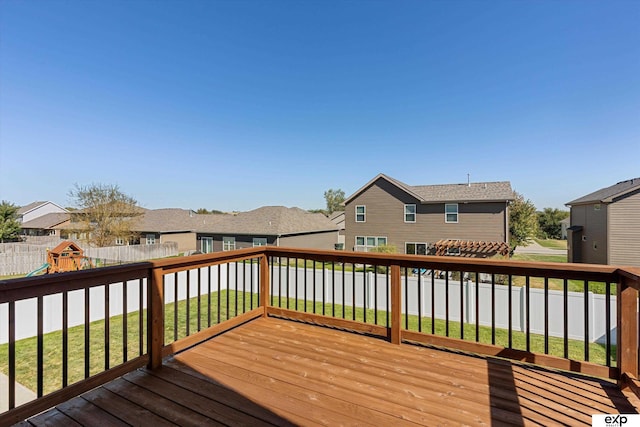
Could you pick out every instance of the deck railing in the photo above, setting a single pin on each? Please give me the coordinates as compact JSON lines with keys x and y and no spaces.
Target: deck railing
{"x":92,"y":326}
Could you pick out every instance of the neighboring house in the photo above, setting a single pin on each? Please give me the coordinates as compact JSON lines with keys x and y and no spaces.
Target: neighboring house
{"x":269,"y":225}
{"x":424,"y":219}
{"x":37,"y":209}
{"x":49,"y":224}
{"x":338,"y":219}
{"x":42,"y":219}
{"x":605,"y":226}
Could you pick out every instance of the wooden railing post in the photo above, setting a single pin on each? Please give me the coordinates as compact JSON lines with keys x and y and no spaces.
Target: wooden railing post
{"x":396,"y":305}
{"x":627,"y":329}
{"x":264,"y":284}
{"x":155,"y":317}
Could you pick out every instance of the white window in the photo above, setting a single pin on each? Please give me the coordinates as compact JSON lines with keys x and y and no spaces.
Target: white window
{"x":414,"y":248}
{"x":206,"y":245}
{"x":409,"y":213}
{"x":228,"y":243}
{"x":119,"y":241}
{"x":361,"y":213}
{"x":151,"y":239}
{"x":366,"y":243}
{"x":259,"y":241}
{"x":451,"y":212}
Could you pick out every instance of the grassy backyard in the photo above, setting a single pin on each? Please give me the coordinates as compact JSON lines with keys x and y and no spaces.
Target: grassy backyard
{"x":26,"y":349}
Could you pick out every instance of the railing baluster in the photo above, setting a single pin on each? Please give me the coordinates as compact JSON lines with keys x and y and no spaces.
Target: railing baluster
{"x":235,"y":269}
{"x":419,"y":301}
{"x":305,"y":284}
{"x":279,"y":282}
{"x":353,"y":291}
{"x":607,"y":311}
{"x":125,"y":347}
{"x":314,"y":286}
{"x":188,"y":304}
{"x":107,"y":328}
{"x":375,"y":294}
{"x":324,"y":289}
{"x":175,"y":306}
{"x":333,"y":289}
{"x":586,"y":321}
{"x":87,"y":322}
{"x":218,"y":292}
{"x":406,"y":298}
{"x":433,"y":302}
{"x":493,"y":308}
{"x":228,"y":290}
{"x":565,"y":293}
{"x":510,"y":310}
{"x":12,"y":354}
{"x":199,"y":311}
{"x":343,"y":296}
{"x":65,"y":339}
{"x":446,"y":302}
{"x":209,"y":293}
{"x":462,"y":305}
{"x":140,"y":318}
{"x":527,"y":313}
{"x":244,"y":286}
{"x":296,"y":282}
{"x":477,"y":295}
{"x":287,"y":284}
{"x":40,"y":348}
{"x":272,"y":284}
{"x":546,"y":315}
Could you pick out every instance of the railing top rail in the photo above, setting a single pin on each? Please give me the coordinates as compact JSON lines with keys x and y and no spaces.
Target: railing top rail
{"x":207,"y":259}
{"x":31,"y":287}
{"x":520,"y":268}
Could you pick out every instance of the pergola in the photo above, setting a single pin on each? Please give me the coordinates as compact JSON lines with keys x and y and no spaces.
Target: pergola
{"x":471,"y":248}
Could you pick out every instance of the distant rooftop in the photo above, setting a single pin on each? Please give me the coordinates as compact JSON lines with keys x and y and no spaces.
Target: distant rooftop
{"x":609,"y":194}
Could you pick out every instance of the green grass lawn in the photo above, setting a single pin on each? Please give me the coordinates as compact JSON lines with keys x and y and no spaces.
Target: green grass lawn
{"x":26,"y":349}
{"x":552,"y":243}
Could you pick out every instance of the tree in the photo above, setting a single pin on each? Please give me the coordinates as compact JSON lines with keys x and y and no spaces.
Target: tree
{"x":549,"y":223}
{"x":204,"y":211}
{"x":335,"y":200}
{"x":9,"y":225}
{"x":104,"y":214}
{"x":523,"y":222}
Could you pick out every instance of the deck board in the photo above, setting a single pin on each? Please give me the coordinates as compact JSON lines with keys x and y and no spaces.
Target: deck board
{"x":278,"y":372}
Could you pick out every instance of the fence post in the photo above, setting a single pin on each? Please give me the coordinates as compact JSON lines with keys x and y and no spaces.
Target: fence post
{"x":396,"y":305}
{"x":627,"y":329}
{"x":264,"y":284}
{"x":155,"y":317}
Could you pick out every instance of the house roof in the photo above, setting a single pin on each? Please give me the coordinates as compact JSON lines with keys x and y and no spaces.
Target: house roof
{"x":46,"y":221}
{"x":270,"y":220}
{"x":609,"y":194}
{"x":34,"y":205}
{"x":472,"y":192}
{"x":267,"y":220}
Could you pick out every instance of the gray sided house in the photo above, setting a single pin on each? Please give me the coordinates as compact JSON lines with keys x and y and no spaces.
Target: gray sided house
{"x":415,"y":218}
{"x":605,"y":226}
{"x":269,"y":225}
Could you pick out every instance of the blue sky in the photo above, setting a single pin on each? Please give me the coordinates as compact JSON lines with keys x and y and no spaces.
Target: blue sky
{"x":233,"y":105}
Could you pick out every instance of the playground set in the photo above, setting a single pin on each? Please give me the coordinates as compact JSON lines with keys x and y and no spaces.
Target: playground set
{"x":67,"y":256}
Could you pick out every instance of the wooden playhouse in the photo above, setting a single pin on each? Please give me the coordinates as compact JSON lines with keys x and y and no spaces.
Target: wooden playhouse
{"x":67,"y":256}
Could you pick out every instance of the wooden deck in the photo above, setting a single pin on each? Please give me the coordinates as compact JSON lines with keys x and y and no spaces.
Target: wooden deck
{"x":278,"y":372}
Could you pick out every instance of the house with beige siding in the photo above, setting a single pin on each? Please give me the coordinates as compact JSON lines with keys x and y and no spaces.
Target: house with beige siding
{"x":605,"y":226}
{"x":268,"y":225}
{"x":414,"y":218}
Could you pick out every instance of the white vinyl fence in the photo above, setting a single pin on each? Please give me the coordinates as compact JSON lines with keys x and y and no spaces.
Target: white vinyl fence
{"x":302,"y":279}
